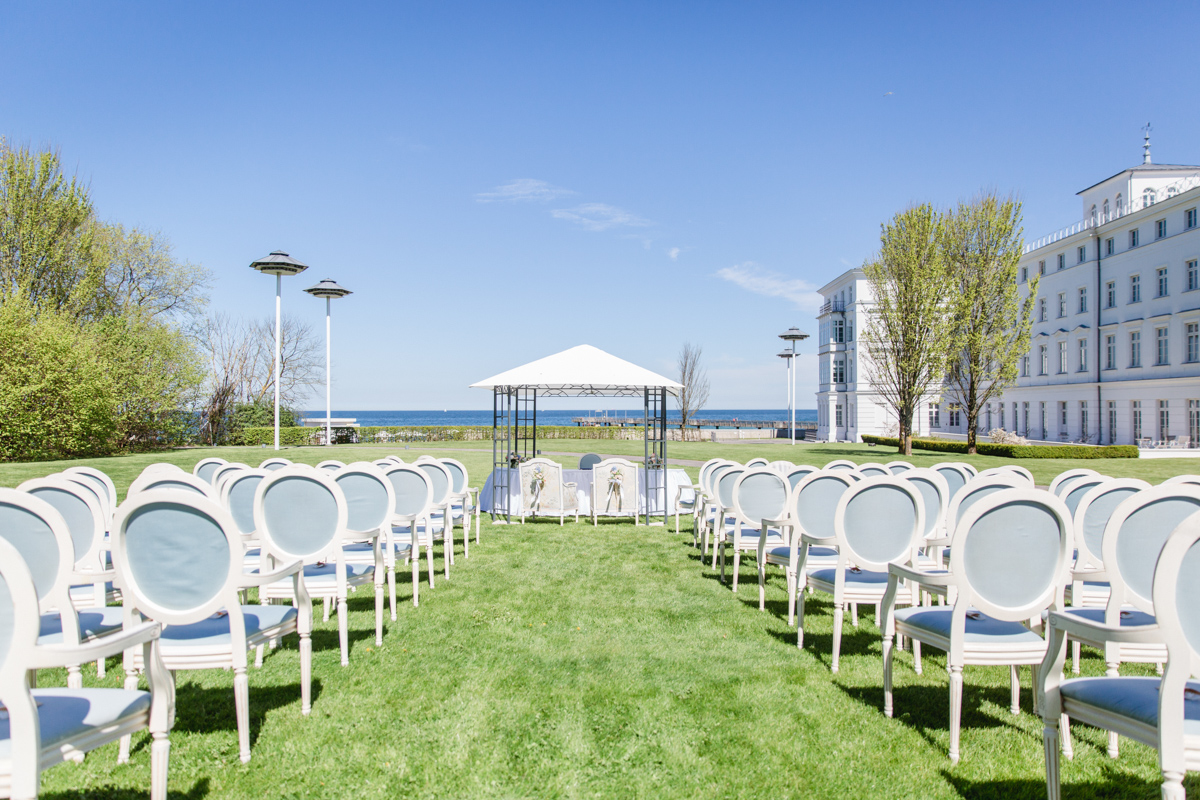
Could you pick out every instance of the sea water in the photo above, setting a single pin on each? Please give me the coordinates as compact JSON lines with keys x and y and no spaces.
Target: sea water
{"x":547,"y":416}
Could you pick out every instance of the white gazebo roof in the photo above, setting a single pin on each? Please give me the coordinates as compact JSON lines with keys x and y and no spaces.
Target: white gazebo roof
{"x":581,"y":370}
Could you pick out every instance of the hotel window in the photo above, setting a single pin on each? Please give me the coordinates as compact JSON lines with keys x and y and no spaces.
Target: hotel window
{"x":1133,"y":238}
{"x":1062,"y":304}
{"x":1041,"y":309}
{"x":1025,"y":417}
{"x":1110,"y":294}
{"x":1193,"y":342}
{"x":935,"y":415}
{"x":1042,"y":267}
{"x":1062,"y":416}
{"x":1043,"y":360}
{"x":1014,"y":417}
{"x":1162,"y":281}
{"x":1164,"y":420}
{"x":1135,"y":288}
{"x":1135,"y":348}
{"x":839,"y":331}
{"x":1000,"y":410}
{"x":1194,"y":420}
{"x":1042,"y":411}
{"x":838,"y":415}
{"x":1105,"y":217}
{"x":955,"y":416}
{"x":1189,"y":218}
{"x":1161,"y":357}
{"x":1160,"y":229}
{"x":1193,"y":275}
{"x":1137,"y":420}
{"x":1062,"y":358}
{"x":1083,"y":420}
{"x":1110,"y":351}
{"x":839,"y":372}
{"x":1081,"y":253}
{"x":1024,"y":366}
{"x":1093,"y":217}
{"x":989,"y":417}
{"x":1109,"y":246}
{"x":1112,"y":421}
{"x":1024,"y":274}
{"x":1082,"y":299}
{"x":1083,"y":355}
{"x":1062,"y":260}
{"x":1120,"y":205}
{"x":1148,"y":198}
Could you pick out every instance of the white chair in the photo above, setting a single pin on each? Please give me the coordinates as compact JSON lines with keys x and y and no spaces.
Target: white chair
{"x":872,"y":469}
{"x":206,"y":467}
{"x":799,"y":473}
{"x":756,"y":462}
{"x":413,"y":497}
{"x":222,"y":473}
{"x":1009,"y":562}
{"x":157,"y":481}
{"x":331,"y":465}
{"x":782,"y":467}
{"x":441,"y":513}
{"x":759,"y":493}
{"x":369,"y":503}
{"x":464,"y":498}
{"x":1022,"y":474}
{"x":543,"y":491}
{"x":1181,"y":479}
{"x":898,"y":467}
{"x":274,"y":463}
{"x":1160,"y":713}
{"x":615,"y":490}
{"x":841,"y":463}
{"x":589,"y":460}
{"x":44,"y":727}
{"x":956,"y":475}
{"x":101,"y":481}
{"x":1065,"y":479}
{"x":878,"y":523}
{"x":1072,"y":494}
{"x":935,"y":496}
{"x":705,"y":510}
{"x":81,"y":511}
{"x":979,"y":487}
{"x":723,"y":479}
{"x":691,"y":498}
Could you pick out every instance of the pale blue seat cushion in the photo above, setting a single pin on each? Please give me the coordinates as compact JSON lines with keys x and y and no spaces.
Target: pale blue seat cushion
{"x":867,"y":581}
{"x":67,"y":713}
{"x":86,"y":591}
{"x":1134,"y":698}
{"x":323,"y":578}
{"x":93,"y":622}
{"x":1129,"y":616}
{"x":978,"y":631}
{"x":214,"y":631}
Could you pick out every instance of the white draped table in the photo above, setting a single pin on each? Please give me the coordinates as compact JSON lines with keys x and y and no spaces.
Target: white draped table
{"x":582,"y":478}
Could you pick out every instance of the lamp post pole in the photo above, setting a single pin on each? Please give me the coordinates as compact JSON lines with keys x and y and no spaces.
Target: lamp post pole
{"x":329,"y":290}
{"x":278,"y":263}
{"x":792,"y":335}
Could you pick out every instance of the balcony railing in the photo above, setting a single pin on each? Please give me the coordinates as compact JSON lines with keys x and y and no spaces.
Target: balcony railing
{"x":833,"y":305}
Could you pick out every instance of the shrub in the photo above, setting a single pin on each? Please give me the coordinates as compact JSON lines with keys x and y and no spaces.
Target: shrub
{"x":1015,"y":450}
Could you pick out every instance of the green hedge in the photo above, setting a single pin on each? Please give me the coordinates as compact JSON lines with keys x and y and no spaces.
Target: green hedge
{"x":296,"y":436}
{"x":1014,"y":450}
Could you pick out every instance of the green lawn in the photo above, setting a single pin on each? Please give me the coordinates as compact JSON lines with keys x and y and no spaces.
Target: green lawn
{"x":595,"y":662}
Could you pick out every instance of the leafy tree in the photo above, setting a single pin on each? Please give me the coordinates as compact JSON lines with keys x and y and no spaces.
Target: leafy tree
{"x":907,"y":330}
{"x":981,"y":243}
{"x":142,"y":275}
{"x":694,"y":378}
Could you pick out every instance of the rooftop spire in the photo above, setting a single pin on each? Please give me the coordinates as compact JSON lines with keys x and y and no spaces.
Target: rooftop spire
{"x":1146,"y":145}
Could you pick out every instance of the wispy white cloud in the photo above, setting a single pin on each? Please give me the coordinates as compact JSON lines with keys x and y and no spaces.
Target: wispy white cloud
{"x":753,"y":278}
{"x":673,"y":253}
{"x":523,"y":190}
{"x":600,"y":217}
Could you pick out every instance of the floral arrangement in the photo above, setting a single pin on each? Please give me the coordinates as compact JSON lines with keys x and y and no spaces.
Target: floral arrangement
{"x":515,"y":459}
{"x":654,"y":462}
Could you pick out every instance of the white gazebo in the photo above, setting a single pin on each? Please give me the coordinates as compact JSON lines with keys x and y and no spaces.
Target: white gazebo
{"x":582,"y":371}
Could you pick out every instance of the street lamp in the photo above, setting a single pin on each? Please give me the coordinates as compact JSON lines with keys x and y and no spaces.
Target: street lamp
{"x":278,"y":263}
{"x":329,"y":290}
{"x":793,"y":335}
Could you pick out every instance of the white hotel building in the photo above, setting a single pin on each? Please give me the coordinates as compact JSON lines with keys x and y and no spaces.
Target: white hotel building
{"x":1114,"y":353}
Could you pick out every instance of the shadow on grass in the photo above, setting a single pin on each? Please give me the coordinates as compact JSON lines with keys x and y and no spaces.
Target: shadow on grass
{"x":199,"y":789}
{"x":1115,"y":783}
{"x":201,"y":709}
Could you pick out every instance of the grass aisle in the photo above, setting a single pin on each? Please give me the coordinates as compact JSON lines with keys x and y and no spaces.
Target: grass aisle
{"x":581,"y":662}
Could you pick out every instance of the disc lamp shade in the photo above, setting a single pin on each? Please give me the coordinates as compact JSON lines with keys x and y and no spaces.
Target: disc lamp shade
{"x":279,"y":263}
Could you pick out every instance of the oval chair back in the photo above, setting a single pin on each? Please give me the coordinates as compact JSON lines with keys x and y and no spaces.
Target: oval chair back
{"x":300,"y":514}
{"x":330,"y":465}
{"x":439,"y":478}
{"x":369,"y":497}
{"x":156,"y":481}
{"x":274,"y":463}
{"x":1194,"y":479}
{"x":589,"y":460}
{"x":871,"y":469}
{"x":459,"y":478}
{"x":162,"y":468}
{"x":412,"y":492}
{"x":1091,"y":516}
{"x":975,"y":490}
{"x":815,"y":500}
{"x":97,"y":493}
{"x":1075,"y":492}
{"x":1134,"y":538}
{"x":709,"y":482}
{"x":878,"y":521}
{"x":384,"y":463}
{"x":724,"y":486}
{"x":954,"y":474}
{"x":760,"y":493}
{"x":238,"y":490}
{"x":970,"y":468}
{"x":222,"y":473}
{"x":205,"y":468}
{"x":1176,"y":595}
{"x":898,"y":467}
{"x":707,"y":467}
{"x":99,"y":479}
{"x":782,"y":467}
{"x":178,"y":557}
{"x":756,"y":462}
{"x":840,"y":463}
{"x":935,"y":498}
{"x":1009,"y":470}
{"x":80,"y":510}
{"x":40,"y":535}
{"x":1011,"y":553}
{"x":799,"y":473}
{"x":1064,"y":479}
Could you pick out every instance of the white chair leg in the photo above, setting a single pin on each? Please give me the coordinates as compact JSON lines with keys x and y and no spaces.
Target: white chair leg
{"x":722,"y":561}
{"x":800,"y":619}
{"x":888,"y":654}
{"x":854,"y":614}
{"x":1172,"y":788}
{"x":101,"y":668}
{"x":391,"y":579}
{"x":1113,"y":670}
{"x":1075,"y":648}
{"x":429,"y":558}
{"x":416,"y":576}
{"x":1014,"y":680}
{"x":956,"y":690}
{"x":791,"y":584}
{"x":737,"y":565}
{"x":762,"y":586}
{"x":1050,"y":739}
{"x":916,"y":646}
{"x":343,"y":630}
{"x":258,"y":657}
{"x":378,"y":610}
{"x":131,"y":684}
{"x":838,"y":614}
{"x":74,"y":677}
{"x":160,"y":753}
{"x":1065,"y":736}
{"x":241,"y":702}
{"x":325,"y":613}
{"x":305,"y":673}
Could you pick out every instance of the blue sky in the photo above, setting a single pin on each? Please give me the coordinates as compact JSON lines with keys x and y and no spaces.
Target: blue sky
{"x":501,"y":181}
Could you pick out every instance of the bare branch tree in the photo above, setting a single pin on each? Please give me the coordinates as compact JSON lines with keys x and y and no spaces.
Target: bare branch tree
{"x":228,"y":348}
{"x":300,"y":362}
{"x":694,"y":377}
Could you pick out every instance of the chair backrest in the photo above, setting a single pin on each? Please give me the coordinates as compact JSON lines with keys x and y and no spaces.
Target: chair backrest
{"x":955,"y":475}
{"x":815,"y":499}
{"x":724,"y":486}
{"x":1134,"y":538}
{"x":798,"y":474}
{"x":238,"y":491}
{"x":40,"y":535}
{"x":222,"y":473}
{"x":1091,"y":516}
{"x":840,"y":463}
{"x":756,"y":462}
{"x":589,"y":460}
{"x":439,"y":476}
{"x":154,"y":481}
{"x":99,"y":479}
{"x":1195,"y":479}
{"x":81,"y":511}
{"x":897,"y":467}
{"x":96,"y":492}
{"x":162,"y":468}
{"x":708,"y":481}
{"x":615,"y":486}
{"x":1007,"y":470}
{"x":879,"y":521}
{"x":1176,"y":596}
{"x":872,"y":469}
{"x":970,"y":468}
{"x":541,"y":486}
{"x":1073,"y":493}
{"x":274,"y":463}
{"x":1010,"y":554}
{"x":412,"y":492}
{"x":205,"y":468}
{"x":706,"y":468}
{"x":395,"y":459}
{"x":384,"y":463}
{"x":178,"y":557}
{"x":760,"y":493}
{"x":976,"y":489}
{"x":935,"y":498}
{"x":1064,"y":479}
{"x":330,"y":465}
{"x":370,"y":498}
{"x":782,"y":467}
{"x":459,"y":480}
{"x":300,"y":513}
